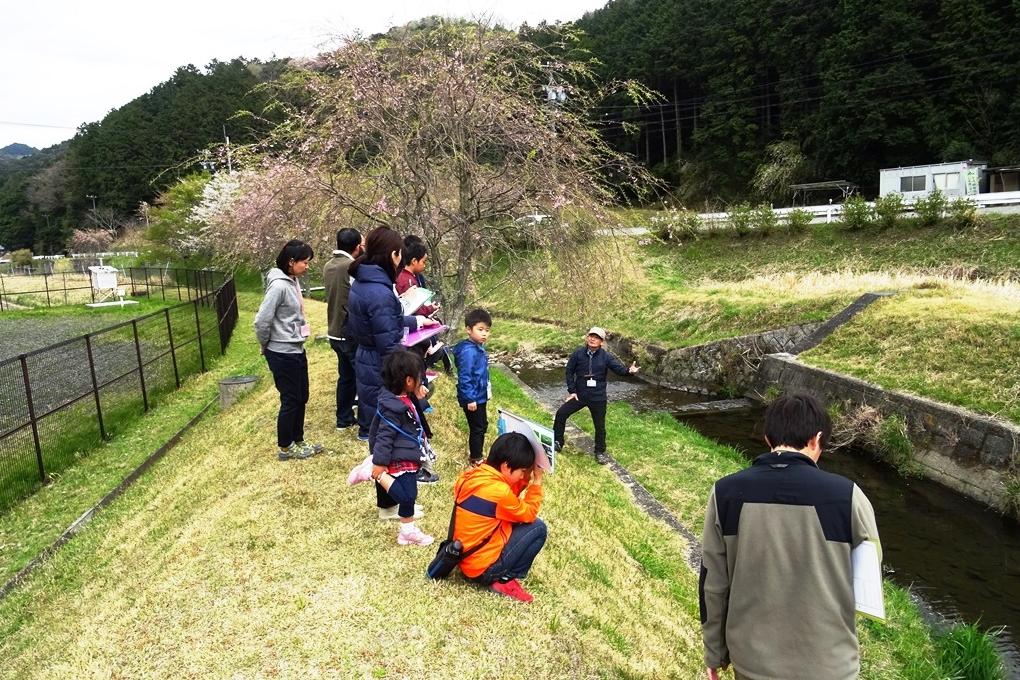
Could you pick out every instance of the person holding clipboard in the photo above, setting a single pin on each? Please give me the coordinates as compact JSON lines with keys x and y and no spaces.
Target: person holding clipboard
{"x":781,"y":538}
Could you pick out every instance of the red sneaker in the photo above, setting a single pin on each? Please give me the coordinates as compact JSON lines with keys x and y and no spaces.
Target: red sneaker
{"x":512,"y":589}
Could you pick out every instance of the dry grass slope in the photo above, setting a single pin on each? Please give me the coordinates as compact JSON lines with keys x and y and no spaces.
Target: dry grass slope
{"x":224,"y":562}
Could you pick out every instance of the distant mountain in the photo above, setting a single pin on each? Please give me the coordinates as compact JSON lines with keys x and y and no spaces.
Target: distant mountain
{"x":17,"y":151}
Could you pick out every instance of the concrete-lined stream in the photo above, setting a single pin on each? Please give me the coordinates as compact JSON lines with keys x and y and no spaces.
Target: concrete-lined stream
{"x":960,"y":557}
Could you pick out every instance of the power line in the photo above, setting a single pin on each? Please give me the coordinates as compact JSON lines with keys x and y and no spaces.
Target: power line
{"x":888,"y":58}
{"x":38,"y":125}
{"x":648,"y":117}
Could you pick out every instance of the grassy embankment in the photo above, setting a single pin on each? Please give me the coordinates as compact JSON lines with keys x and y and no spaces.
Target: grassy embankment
{"x":224,"y":561}
{"x":951,"y":333}
{"x":36,"y":522}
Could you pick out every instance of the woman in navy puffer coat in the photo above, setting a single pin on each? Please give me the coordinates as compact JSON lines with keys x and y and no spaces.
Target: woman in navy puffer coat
{"x":375,"y":319}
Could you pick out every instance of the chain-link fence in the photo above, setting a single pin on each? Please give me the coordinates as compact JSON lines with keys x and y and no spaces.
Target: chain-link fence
{"x":41,"y":289}
{"x":58,"y":402}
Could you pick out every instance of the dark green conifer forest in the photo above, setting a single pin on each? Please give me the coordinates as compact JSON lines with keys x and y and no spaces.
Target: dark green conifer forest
{"x":833,"y":89}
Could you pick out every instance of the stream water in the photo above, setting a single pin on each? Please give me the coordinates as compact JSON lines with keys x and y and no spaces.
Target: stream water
{"x":961,"y":558}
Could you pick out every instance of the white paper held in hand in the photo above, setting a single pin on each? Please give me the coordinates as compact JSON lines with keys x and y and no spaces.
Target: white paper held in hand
{"x":867,"y":570}
{"x":540,"y":437}
{"x":412,"y":299}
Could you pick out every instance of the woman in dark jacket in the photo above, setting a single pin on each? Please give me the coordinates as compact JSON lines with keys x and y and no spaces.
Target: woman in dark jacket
{"x":375,"y":319}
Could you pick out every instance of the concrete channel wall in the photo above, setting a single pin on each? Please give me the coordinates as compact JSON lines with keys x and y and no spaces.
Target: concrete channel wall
{"x":968,"y":452}
{"x":972,"y":454}
{"x":724,"y":367}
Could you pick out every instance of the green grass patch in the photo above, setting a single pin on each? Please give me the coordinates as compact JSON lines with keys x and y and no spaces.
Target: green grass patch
{"x":966,"y":651}
{"x":512,"y":335}
{"x":951,"y":333}
{"x":953,"y":344}
{"x":83,"y":468}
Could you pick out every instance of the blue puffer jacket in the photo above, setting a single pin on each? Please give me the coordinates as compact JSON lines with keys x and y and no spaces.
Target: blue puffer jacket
{"x":385,"y":443}
{"x":376,"y":322}
{"x":472,"y":372}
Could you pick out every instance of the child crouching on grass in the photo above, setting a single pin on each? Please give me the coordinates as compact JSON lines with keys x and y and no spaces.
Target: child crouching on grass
{"x":397,"y":446}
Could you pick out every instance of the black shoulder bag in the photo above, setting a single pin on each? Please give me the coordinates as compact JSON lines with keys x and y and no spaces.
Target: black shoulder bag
{"x":451,"y":551}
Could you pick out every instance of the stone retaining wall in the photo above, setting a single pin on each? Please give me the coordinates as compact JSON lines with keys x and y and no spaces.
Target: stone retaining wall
{"x":724,"y":367}
{"x":968,"y":452}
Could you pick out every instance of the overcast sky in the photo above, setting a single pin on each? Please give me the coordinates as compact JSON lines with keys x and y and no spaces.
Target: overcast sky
{"x":68,"y":62}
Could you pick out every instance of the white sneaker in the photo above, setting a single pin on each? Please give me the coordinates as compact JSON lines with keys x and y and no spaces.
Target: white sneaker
{"x":391,"y":513}
{"x":362,"y":472}
{"x":413,"y":537}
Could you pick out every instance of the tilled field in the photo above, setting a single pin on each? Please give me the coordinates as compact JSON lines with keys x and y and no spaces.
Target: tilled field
{"x":20,"y":334}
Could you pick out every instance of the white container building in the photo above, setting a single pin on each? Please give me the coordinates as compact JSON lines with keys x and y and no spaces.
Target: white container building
{"x":962,"y":178}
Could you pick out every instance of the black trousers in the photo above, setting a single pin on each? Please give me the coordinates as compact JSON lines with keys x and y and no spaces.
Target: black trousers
{"x":290,"y":374}
{"x":598,"y":418}
{"x":478,"y":423}
{"x":346,"y":385}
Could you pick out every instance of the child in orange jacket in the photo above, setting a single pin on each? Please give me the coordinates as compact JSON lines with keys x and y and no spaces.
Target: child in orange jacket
{"x":491,"y":512}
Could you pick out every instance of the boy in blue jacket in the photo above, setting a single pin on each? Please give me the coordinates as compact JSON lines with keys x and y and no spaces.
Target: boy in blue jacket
{"x":587,"y":370}
{"x":473,"y":379}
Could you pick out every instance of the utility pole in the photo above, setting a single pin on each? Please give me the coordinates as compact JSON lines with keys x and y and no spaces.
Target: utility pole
{"x":230,"y":167}
{"x":556,"y":96}
{"x":676,"y":116}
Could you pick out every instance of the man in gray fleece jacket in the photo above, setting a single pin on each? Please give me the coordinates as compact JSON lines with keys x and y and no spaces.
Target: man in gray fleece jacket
{"x":776,"y":588}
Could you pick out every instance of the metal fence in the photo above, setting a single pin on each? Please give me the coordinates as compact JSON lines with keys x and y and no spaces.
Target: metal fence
{"x":58,"y":402}
{"x":67,"y":288}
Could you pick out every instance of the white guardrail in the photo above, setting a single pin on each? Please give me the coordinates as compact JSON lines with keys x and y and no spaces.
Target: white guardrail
{"x":830,"y":212}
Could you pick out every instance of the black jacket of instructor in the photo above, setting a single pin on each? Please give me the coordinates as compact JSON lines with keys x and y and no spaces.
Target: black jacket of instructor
{"x":586,"y":374}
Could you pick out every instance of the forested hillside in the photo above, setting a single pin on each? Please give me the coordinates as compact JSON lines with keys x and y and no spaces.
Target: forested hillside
{"x":754,"y":95}
{"x":823,"y":89}
{"x":132,"y":154}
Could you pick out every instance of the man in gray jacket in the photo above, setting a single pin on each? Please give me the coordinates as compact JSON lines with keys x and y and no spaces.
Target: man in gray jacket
{"x":337,"y":282}
{"x":776,"y":588}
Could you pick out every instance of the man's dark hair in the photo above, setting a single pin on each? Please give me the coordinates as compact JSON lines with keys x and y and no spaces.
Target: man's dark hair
{"x":380,"y":243}
{"x":477,"y":316}
{"x":512,"y":448}
{"x":398,"y":367}
{"x":293,"y":250}
{"x":792,"y":420}
{"x":413,"y":249}
{"x":348,"y":239}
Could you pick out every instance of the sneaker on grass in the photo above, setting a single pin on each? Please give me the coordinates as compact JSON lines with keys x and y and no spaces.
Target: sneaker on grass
{"x":294,"y":452}
{"x":391,"y":513}
{"x":512,"y":589}
{"x":426,"y":477}
{"x":307,"y":446}
{"x":362,"y":472}
{"x":413,"y":536}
